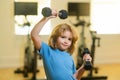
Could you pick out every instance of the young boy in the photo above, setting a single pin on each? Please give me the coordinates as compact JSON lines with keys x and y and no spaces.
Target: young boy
{"x":56,"y":55}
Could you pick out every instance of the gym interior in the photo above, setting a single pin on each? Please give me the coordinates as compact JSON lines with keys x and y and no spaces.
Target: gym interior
{"x":95,"y":20}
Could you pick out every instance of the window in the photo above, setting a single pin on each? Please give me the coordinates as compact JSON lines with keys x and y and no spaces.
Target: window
{"x":105,"y":15}
{"x":26,"y":19}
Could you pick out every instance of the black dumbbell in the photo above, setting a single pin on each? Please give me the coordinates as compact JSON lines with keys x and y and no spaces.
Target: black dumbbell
{"x":87,"y":63}
{"x":46,"y":12}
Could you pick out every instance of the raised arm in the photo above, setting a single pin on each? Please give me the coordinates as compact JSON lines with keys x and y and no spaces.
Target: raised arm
{"x":38,"y":27}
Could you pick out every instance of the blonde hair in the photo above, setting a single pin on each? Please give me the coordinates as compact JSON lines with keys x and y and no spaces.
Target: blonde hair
{"x":57,"y":31}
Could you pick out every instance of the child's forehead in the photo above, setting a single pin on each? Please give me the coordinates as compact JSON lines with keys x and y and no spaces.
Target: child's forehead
{"x":64,"y":28}
{"x":66,"y":33}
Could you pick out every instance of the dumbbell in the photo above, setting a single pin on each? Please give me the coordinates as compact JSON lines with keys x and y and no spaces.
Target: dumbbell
{"x":46,"y":12}
{"x":87,"y":63}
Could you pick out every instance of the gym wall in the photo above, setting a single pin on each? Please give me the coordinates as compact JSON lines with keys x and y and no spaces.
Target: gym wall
{"x":12,"y":46}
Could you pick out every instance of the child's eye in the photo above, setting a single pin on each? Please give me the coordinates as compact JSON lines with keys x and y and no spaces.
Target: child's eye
{"x":62,"y":37}
{"x":70,"y":39}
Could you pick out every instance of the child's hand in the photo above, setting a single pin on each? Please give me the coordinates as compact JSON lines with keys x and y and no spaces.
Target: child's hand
{"x":87,"y":57}
{"x":87,"y":62}
{"x":54,"y":14}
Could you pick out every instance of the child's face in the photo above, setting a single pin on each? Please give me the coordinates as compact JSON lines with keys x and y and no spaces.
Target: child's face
{"x":64,"y":41}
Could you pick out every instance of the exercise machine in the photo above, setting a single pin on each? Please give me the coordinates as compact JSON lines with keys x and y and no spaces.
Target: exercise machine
{"x":28,"y":60}
{"x":90,"y":74}
{"x":81,"y":50}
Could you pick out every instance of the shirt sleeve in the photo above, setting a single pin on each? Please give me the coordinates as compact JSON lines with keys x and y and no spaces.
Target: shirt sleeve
{"x":44,"y":49}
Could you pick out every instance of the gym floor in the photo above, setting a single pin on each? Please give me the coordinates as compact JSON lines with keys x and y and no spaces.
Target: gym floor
{"x":112,"y":71}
